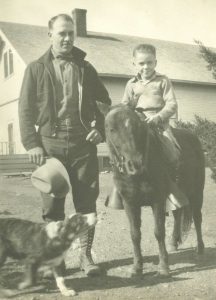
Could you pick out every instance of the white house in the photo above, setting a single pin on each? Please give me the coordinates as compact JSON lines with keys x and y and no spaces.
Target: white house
{"x":111,"y":54}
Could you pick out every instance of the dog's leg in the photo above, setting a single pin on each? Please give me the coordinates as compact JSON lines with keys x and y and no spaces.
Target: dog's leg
{"x":30,"y":276}
{"x":60,"y":282}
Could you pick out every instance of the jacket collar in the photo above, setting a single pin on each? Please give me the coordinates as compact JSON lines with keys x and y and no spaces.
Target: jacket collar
{"x":77,"y":53}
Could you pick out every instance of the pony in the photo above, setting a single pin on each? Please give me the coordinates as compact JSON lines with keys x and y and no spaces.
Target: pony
{"x":142,"y":178}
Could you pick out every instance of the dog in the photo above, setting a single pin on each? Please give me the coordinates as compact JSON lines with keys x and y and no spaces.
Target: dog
{"x":42,"y":245}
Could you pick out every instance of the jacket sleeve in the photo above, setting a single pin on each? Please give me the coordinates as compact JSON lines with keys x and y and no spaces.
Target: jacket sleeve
{"x":100,"y":95}
{"x":27,"y":110}
{"x":171,"y":106}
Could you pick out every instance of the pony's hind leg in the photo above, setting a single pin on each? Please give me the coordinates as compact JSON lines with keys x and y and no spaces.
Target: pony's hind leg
{"x":133,"y":213}
{"x":197,"y":217}
{"x":159,"y":221}
{"x":3,"y":252}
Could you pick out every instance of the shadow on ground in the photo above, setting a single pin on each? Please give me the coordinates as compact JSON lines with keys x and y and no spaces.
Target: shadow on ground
{"x":12,"y":272}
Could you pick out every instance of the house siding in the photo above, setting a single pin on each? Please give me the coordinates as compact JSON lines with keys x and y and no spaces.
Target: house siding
{"x":9,"y":93}
{"x":192,"y":99}
{"x":9,"y":115}
{"x":10,"y":86}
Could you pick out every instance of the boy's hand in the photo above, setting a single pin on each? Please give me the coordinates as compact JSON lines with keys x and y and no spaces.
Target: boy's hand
{"x":154,"y":120}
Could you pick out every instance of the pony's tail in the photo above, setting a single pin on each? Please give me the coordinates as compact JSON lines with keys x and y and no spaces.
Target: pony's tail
{"x":186,"y":218}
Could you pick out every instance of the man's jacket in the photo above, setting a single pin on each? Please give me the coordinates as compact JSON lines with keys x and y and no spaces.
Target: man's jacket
{"x":37,"y":103}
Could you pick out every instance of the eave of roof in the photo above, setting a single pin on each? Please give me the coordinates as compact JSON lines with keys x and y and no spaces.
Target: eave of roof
{"x":109,"y":75}
{"x":111,"y":54}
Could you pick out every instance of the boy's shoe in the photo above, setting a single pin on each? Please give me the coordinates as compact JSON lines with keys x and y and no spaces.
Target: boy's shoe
{"x":177,"y":198}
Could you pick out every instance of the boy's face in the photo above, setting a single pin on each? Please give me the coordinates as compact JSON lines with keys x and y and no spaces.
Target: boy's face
{"x":145,"y":63}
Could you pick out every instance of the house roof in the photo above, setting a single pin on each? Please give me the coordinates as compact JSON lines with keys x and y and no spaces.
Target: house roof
{"x":111,"y":54}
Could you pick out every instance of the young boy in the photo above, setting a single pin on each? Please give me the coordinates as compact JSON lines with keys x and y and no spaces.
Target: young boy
{"x":152,"y":93}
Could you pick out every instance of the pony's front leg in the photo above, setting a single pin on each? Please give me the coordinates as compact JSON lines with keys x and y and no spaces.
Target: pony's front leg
{"x":159,"y":221}
{"x":133,"y":213}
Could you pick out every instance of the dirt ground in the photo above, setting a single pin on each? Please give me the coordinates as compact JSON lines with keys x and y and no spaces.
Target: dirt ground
{"x":192,"y":277}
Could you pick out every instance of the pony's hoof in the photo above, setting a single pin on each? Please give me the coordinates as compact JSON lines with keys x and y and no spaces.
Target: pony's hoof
{"x":24,"y":285}
{"x":162,"y":275}
{"x":135,"y":272}
{"x":200,"y":249}
{"x":172,"y":248}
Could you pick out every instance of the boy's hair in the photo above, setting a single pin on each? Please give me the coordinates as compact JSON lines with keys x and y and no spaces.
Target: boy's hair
{"x":60,"y":16}
{"x":144,"y":48}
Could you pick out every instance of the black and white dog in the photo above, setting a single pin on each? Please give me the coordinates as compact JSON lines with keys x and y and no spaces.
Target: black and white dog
{"x":42,"y":245}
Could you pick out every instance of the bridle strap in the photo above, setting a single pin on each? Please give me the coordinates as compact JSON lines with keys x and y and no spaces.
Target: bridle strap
{"x":119,"y":160}
{"x":146,"y":156}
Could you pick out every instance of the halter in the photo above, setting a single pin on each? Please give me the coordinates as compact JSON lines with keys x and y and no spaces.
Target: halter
{"x":119,"y":159}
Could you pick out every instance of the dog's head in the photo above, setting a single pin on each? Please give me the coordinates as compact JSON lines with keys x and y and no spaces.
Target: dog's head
{"x":72,"y":227}
{"x":76,"y":224}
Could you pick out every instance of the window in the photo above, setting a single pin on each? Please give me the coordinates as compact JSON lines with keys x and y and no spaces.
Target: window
{"x":8,"y":63}
{"x":5,"y":65}
{"x":11,"y":68}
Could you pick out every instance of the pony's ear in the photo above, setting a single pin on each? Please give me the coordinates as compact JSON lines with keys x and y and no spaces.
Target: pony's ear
{"x":103,"y":107}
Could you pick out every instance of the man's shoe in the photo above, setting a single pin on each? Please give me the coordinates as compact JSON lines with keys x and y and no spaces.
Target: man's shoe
{"x":86,"y":262}
{"x":89,"y":267}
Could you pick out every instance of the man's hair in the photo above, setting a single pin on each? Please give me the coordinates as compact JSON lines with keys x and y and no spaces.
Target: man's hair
{"x":60,"y":16}
{"x":147,"y":48}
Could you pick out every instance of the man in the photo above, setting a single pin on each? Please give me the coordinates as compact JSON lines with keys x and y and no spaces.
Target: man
{"x":58,"y":97}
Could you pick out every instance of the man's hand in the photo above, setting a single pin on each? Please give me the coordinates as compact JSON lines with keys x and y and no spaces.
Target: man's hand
{"x":154,"y":120}
{"x":94,"y":137}
{"x":36,"y":155}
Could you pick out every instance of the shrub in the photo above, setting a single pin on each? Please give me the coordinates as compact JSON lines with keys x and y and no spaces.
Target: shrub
{"x":206,"y":132}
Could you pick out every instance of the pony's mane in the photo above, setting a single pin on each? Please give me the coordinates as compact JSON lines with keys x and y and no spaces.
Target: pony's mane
{"x":120,"y":105}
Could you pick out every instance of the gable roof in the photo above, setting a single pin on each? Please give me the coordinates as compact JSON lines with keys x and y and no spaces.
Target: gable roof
{"x":111,"y":54}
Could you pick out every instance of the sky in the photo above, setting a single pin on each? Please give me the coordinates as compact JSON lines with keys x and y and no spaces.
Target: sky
{"x":173,"y":20}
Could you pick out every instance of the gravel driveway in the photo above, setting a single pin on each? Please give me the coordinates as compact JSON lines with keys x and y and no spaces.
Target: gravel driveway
{"x":192,"y":277}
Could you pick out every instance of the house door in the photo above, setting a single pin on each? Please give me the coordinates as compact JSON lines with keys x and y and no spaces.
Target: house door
{"x":10,"y":139}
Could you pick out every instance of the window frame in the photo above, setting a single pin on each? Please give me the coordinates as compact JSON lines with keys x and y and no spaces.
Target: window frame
{"x":8,"y":58}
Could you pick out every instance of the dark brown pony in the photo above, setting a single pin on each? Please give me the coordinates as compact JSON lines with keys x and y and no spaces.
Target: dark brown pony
{"x":142,"y":178}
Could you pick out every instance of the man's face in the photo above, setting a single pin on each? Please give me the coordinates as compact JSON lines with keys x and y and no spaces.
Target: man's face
{"x":145,"y":64}
{"x":62,"y":36}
